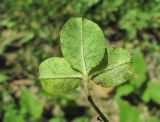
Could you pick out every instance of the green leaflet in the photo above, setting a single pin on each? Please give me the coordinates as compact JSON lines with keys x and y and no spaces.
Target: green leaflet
{"x":128,"y":113}
{"x":82,"y":43}
{"x":140,"y":68}
{"x":151,"y":92}
{"x":57,"y":76}
{"x":12,"y":115}
{"x":30,"y":104}
{"x":59,"y":86}
{"x":118,"y":68}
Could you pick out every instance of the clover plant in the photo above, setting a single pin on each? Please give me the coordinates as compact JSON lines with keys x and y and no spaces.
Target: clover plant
{"x":85,"y":60}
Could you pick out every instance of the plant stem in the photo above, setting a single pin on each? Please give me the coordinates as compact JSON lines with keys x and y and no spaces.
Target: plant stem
{"x":101,"y":115}
{"x":86,"y":91}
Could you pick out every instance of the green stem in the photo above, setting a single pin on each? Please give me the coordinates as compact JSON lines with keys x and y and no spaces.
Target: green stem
{"x":101,"y":115}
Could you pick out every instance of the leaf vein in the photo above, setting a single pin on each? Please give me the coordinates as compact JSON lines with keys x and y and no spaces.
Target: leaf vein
{"x":82,"y":50}
{"x":104,"y":70}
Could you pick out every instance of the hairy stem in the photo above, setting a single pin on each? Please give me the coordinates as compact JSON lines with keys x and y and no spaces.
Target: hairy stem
{"x":101,"y":115}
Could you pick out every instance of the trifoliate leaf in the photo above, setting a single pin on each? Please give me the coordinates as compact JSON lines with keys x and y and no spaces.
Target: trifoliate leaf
{"x":57,"y":76}
{"x":82,"y":43}
{"x":118,"y":69}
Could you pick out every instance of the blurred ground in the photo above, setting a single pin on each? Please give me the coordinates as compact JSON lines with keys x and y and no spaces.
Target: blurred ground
{"x":29,"y":34}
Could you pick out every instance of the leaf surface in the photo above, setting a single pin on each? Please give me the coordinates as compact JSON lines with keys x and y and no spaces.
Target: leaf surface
{"x":140,"y":67}
{"x":57,"y":76}
{"x":118,"y":68}
{"x":82,"y":43}
{"x":152,"y":92}
{"x":30,"y":104}
{"x":128,"y":113}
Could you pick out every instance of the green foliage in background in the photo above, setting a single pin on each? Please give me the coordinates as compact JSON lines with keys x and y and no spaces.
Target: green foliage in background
{"x":3,"y":78}
{"x":151,"y":92}
{"x":144,"y":91}
{"x":29,"y":34}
